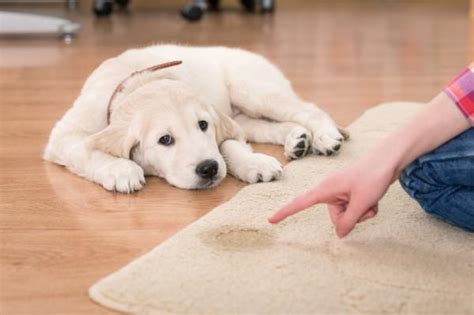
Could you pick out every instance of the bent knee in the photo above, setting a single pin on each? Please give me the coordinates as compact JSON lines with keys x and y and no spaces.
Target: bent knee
{"x":453,"y":204}
{"x":419,"y":183}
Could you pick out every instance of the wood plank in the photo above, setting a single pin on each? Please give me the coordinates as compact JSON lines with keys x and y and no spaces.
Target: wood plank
{"x":60,"y":233}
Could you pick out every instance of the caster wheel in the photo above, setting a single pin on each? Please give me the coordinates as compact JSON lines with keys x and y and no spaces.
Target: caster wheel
{"x":213,"y":5}
{"x":122,"y":3}
{"x":267,"y":6}
{"x":249,"y":5}
{"x":192,"y":13}
{"x":68,"y":31}
{"x":102,"y":7}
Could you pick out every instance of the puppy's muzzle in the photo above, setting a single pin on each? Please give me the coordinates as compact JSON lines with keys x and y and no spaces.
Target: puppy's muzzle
{"x":207,"y":169}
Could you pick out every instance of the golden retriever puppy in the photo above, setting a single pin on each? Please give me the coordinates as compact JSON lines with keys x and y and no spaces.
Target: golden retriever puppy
{"x":184,"y":114}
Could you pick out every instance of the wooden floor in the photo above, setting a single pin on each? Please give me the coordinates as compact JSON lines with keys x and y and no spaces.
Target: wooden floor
{"x":60,"y":233}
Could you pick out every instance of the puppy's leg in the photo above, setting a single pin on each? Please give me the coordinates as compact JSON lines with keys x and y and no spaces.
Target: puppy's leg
{"x":249,"y":166}
{"x":115,"y":174}
{"x":295,"y":138}
{"x":278,"y":102}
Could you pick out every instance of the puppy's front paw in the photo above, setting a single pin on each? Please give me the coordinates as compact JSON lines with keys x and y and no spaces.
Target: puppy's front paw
{"x":298,"y":143}
{"x":121,"y":175}
{"x":259,"y":168}
{"x":326,"y":139}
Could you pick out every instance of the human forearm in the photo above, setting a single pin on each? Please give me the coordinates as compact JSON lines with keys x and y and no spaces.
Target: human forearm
{"x":440,"y":121}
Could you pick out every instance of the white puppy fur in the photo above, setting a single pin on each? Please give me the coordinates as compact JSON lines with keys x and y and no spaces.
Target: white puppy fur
{"x":188,"y":123}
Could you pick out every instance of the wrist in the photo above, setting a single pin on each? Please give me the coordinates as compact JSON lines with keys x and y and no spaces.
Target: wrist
{"x":388,"y":156}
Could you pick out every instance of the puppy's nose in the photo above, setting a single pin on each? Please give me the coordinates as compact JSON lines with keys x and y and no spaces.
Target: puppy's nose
{"x":207,"y":169}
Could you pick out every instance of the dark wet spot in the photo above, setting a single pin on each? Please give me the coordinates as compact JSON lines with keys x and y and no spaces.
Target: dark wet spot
{"x":240,"y":238}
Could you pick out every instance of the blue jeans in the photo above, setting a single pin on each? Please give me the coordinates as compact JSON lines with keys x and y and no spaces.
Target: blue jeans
{"x":442,"y":181}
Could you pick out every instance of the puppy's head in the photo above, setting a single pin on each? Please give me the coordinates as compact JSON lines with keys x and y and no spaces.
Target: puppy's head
{"x":170,"y":133}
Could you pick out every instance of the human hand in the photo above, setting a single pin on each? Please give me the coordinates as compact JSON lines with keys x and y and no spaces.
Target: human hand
{"x":352,"y":194}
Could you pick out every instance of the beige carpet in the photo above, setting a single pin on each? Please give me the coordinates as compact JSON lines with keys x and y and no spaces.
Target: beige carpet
{"x":233,"y":261}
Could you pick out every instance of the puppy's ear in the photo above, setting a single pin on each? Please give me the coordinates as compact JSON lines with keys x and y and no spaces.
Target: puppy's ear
{"x":226,"y":128}
{"x":115,"y":140}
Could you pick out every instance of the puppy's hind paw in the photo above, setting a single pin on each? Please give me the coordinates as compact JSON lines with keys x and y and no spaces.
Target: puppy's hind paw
{"x":122,"y":175}
{"x":298,"y":143}
{"x":327,"y":140}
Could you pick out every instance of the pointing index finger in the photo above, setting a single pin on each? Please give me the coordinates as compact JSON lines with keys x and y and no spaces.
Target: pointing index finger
{"x":298,"y":204}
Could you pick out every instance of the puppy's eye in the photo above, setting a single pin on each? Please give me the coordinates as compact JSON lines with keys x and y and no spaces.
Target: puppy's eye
{"x":166,"y":140}
{"x":203,"y":125}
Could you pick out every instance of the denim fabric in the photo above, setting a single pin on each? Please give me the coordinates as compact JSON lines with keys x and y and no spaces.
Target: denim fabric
{"x":442,"y":181}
